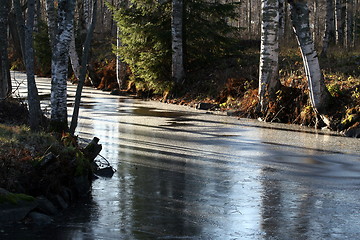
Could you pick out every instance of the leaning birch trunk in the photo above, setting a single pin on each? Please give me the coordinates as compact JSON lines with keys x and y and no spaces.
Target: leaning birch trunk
{"x":84,"y":60}
{"x":329,"y":27}
{"x":33,"y":96}
{"x":319,"y":94}
{"x":178,"y":73}
{"x":269,"y":53}
{"x":74,"y":58}
{"x":59,"y":65}
{"x":5,"y":87}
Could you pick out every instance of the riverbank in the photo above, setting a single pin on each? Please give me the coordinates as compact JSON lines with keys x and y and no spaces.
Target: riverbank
{"x":41,"y":173}
{"x":231,"y":86}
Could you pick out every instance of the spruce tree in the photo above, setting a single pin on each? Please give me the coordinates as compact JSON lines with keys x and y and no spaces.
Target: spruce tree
{"x":145,"y":33}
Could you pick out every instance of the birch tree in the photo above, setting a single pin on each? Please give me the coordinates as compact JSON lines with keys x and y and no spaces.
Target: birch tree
{"x":319,"y":94}
{"x":178,"y":73}
{"x":59,"y":62}
{"x":119,"y":64}
{"x":282,"y":17}
{"x":329,"y":27}
{"x":5,"y":81}
{"x":339,"y":21}
{"x":349,"y":23}
{"x":33,"y":96}
{"x":269,"y":53}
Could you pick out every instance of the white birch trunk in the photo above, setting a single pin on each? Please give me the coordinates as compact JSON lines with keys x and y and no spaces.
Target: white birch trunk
{"x":269,"y":53}
{"x":51,"y":19}
{"x":329,"y":27}
{"x":349,"y":22}
{"x":282,"y":18}
{"x":118,"y":59}
{"x":319,"y":94}
{"x":86,"y":12}
{"x":339,"y":21}
{"x":59,"y":65}
{"x":178,"y":73}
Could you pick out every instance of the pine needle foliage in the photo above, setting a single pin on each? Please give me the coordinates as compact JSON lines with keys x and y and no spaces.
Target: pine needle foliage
{"x":145,"y":34}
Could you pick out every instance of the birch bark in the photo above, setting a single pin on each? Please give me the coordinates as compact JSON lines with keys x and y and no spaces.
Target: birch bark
{"x":319,"y":94}
{"x":118,"y":59}
{"x":178,"y":73}
{"x":59,"y":65}
{"x":329,"y":27}
{"x":51,"y":19}
{"x":339,"y":21}
{"x":269,"y":53}
{"x":349,"y":23}
{"x":282,"y":18}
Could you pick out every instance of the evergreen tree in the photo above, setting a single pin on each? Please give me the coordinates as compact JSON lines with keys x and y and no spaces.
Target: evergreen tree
{"x":145,"y":34}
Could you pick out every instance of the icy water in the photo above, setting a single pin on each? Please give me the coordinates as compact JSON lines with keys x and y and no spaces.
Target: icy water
{"x":187,"y":174}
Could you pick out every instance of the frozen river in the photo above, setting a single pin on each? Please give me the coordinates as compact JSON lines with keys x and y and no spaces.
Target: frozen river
{"x":186,"y":174}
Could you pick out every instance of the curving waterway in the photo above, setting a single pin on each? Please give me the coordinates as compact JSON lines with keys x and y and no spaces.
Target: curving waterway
{"x":186,"y":174}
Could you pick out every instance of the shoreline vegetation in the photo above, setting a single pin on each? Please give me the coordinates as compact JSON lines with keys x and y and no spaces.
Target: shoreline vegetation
{"x":231,"y":85}
{"x":41,"y":173}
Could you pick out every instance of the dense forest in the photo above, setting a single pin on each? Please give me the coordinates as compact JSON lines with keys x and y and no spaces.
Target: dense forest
{"x":276,"y":60}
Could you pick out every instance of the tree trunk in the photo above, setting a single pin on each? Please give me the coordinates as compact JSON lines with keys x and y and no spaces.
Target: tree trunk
{"x":178,"y":73}
{"x":51,"y":18}
{"x":319,"y":94}
{"x":118,"y":60}
{"x":33,"y":96}
{"x":74,"y":58}
{"x":20,"y":23}
{"x":269,"y":54}
{"x":282,"y":18}
{"x":14,"y":35}
{"x":59,"y":65}
{"x":84,"y":60}
{"x":87,"y":12}
{"x":5,"y":87}
{"x":349,"y":23}
{"x":316,"y":25}
{"x":329,"y":27}
{"x":249,"y":18}
{"x":339,"y":22}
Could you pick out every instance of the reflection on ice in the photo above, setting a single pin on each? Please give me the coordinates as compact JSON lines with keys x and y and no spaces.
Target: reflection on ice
{"x":183,"y":174}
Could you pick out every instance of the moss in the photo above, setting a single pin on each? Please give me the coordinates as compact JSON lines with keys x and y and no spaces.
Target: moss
{"x":15,"y":198}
